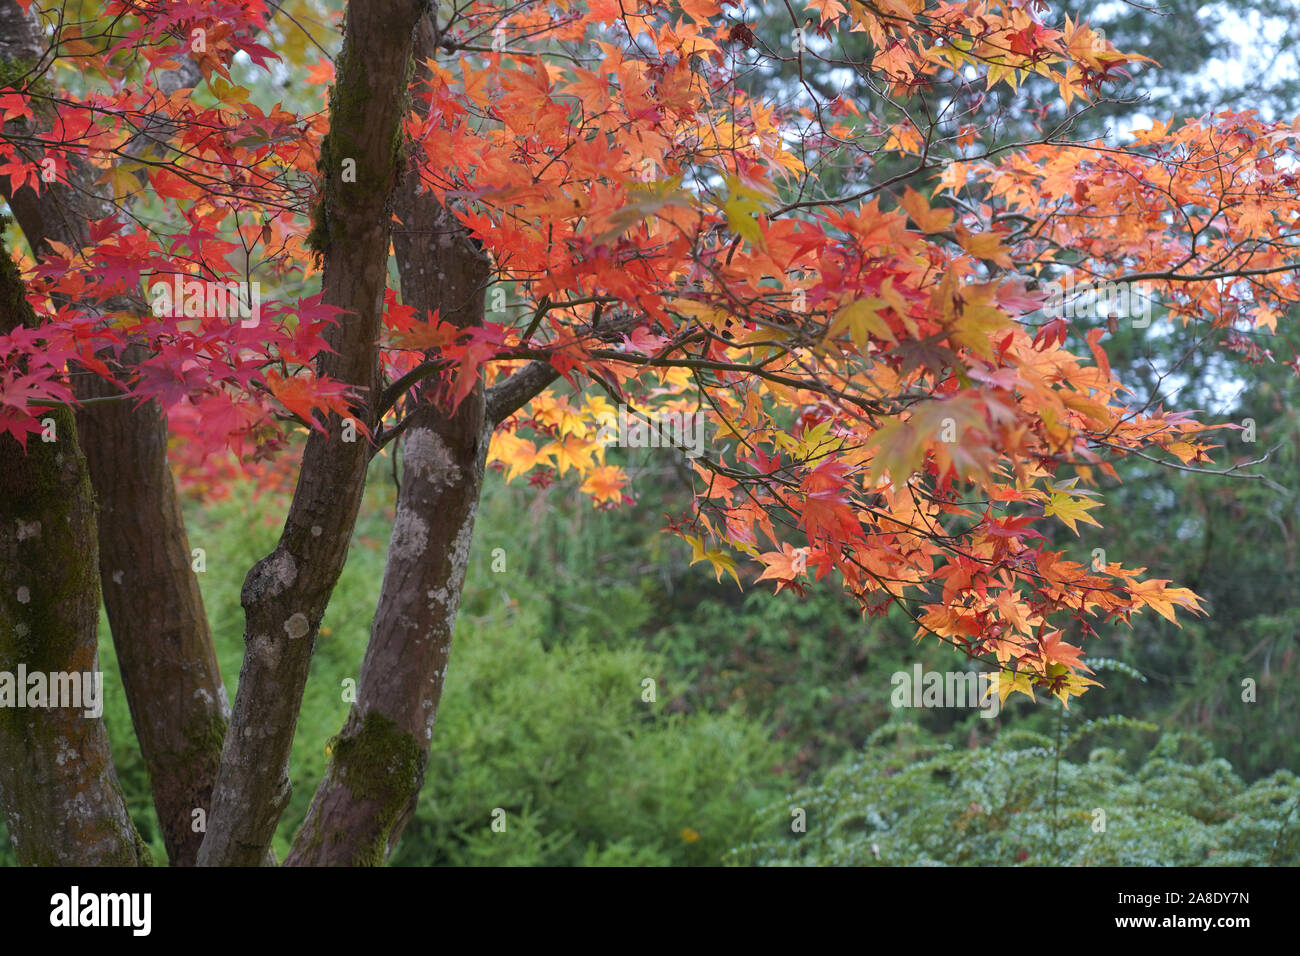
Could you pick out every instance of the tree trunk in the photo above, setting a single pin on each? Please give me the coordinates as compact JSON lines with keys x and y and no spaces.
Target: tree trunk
{"x":179,"y":706}
{"x":58,"y":787}
{"x":285,"y":594}
{"x":377,"y":761}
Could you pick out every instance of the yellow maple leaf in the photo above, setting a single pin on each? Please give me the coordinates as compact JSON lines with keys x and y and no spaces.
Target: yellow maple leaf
{"x":985,"y":245}
{"x":1071,"y":509}
{"x":720,"y":560}
{"x":862,"y":318}
{"x":574,"y":452}
{"x":1007,"y":683}
{"x":518,"y":453}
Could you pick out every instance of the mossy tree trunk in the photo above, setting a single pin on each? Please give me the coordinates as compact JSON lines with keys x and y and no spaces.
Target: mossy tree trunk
{"x":285,"y":594}
{"x":58,"y":787}
{"x":377,"y":761}
{"x":168,"y":664}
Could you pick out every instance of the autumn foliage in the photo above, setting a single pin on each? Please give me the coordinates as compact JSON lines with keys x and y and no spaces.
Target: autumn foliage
{"x":889,"y":404}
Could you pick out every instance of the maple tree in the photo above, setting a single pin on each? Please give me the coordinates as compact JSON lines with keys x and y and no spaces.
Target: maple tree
{"x":585,"y":209}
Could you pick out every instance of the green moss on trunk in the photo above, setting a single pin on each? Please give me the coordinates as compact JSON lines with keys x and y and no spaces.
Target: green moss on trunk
{"x":380,"y":763}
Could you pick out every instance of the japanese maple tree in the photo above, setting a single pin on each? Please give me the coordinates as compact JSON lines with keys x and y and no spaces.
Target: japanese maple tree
{"x":587,"y":206}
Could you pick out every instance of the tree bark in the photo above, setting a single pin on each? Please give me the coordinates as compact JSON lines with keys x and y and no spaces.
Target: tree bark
{"x":179,"y":706}
{"x":378,"y":760}
{"x":58,"y":787}
{"x":285,"y":594}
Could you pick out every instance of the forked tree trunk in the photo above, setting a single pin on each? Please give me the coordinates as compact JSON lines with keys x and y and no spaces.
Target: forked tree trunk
{"x":285,"y":594}
{"x":377,"y":761}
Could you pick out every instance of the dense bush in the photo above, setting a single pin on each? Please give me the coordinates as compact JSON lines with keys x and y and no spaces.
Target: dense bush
{"x":587,"y":771}
{"x":909,"y":800}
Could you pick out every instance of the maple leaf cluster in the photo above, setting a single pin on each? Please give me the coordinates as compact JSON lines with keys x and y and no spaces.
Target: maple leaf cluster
{"x":887,"y":401}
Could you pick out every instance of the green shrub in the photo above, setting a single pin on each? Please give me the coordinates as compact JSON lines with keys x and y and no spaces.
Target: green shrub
{"x":916,"y":802}
{"x":542,"y":716}
{"x":585,"y":769}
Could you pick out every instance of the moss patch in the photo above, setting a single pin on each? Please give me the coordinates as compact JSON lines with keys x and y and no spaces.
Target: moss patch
{"x":379,"y":763}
